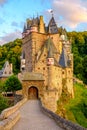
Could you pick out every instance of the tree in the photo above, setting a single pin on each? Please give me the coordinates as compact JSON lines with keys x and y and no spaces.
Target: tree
{"x":3,"y":103}
{"x":12,"y":84}
{"x":1,"y":86}
{"x":85,"y":69}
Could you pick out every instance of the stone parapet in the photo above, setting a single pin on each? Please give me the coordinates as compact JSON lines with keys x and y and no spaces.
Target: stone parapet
{"x":8,"y":123}
{"x":7,"y":112}
{"x":10,"y":116}
{"x":65,"y":124}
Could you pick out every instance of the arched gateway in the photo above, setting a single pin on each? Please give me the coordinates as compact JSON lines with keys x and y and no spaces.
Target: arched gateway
{"x":32,"y":93}
{"x":33,"y":85}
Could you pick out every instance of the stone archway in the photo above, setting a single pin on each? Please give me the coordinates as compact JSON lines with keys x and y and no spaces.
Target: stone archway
{"x":33,"y":92}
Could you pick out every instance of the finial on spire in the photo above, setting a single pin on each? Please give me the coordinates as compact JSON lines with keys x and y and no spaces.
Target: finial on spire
{"x":51,"y":12}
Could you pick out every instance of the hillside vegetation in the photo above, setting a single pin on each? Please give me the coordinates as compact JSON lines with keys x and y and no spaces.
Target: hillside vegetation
{"x":79,"y":49}
{"x":11,"y":52}
{"x":74,"y":109}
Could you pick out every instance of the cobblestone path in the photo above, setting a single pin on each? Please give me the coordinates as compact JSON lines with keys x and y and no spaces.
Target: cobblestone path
{"x":32,"y":118}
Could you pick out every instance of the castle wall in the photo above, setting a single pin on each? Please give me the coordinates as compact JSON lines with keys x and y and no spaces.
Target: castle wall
{"x":27,"y":84}
{"x":27,"y":49}
{"x":56,"y":78}
{"x":49,"y":100}
{"x":69,"y":81}
{"x":31,"y":45}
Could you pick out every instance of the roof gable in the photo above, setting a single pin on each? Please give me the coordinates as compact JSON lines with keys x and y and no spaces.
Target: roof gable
{"x":6,"y":70}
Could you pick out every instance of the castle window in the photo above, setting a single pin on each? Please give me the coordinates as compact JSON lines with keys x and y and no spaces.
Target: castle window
{"x":63,"y":72}
{"x":44,"y":54}
{"x":38,"y":68}
{"x":5,"y":72}
{"x":43,"y":68}
{"x":9,"y":72}
{"x":69,"y":71}
{"x":43,"y":61}
{"x":23,"y":55}
{"x":55,"y":93}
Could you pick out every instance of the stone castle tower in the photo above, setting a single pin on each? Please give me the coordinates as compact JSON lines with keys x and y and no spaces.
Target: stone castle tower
{"x":46,"y":62}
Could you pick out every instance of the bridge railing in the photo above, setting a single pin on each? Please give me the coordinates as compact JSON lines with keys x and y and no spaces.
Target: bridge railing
{"x":10,"y":116}
{"x":65,"y":124}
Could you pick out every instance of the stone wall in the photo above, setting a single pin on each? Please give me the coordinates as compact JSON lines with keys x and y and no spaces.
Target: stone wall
{"x":63,"y":123}
{"x":38,"y":84}
{"x":10,"y":116}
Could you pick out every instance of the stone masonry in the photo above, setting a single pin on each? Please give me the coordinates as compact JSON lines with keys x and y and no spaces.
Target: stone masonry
{"x":46,"y":62}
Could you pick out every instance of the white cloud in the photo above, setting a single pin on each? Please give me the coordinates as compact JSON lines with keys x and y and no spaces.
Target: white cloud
{"x":72,"y":12}
{"x":10,"y":37}
{"x":2,"y":2}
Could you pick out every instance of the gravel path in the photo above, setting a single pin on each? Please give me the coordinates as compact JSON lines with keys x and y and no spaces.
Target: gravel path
{"x":32,"y":118}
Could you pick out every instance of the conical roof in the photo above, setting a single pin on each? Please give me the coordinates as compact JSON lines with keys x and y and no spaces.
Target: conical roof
{"x":50,"y":47}
{"x":52,"y":26}
{"x":25,"y":27}
{"x":63,"y":58}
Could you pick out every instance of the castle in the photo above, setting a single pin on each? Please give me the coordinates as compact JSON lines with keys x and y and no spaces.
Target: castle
{"x":46,"y":62}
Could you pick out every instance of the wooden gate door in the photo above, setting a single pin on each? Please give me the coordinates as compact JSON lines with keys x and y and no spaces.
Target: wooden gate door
{"x":33,"y":93}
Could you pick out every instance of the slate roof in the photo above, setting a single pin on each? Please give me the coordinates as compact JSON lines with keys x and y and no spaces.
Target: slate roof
{"x":53,"y":25}
{"x":6,"y":70}
{"x":24,"y":29}
{"x":50,"y":47}
{"x":63,"y":58}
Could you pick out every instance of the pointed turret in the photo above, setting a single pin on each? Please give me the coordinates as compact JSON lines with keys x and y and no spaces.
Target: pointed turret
{"x":63,"y":58}
{"x":51,"y":49}
{"x":34,"y":25}
{"x":24,"y":31}
{"x":52,"y":27}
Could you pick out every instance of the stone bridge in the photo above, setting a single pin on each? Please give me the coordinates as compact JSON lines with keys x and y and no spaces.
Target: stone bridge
{"x":31,"y":115}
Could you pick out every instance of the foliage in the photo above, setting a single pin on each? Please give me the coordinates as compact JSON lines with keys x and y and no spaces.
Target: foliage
{"x":75,"y":109}
{"x":3,"y":103}
{"x":12,"y":84}
{"x":11,"y":52}
{"x":1,"y":85}
{"x":79,"y":49}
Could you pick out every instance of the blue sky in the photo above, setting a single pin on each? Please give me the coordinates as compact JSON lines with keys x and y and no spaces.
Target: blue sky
{"x":71,"y":14}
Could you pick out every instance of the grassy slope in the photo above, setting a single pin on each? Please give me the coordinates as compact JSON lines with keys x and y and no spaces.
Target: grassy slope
{"x":75,"y":109}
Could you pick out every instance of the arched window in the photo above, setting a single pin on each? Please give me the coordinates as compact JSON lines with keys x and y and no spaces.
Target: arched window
{"x":23,"y":55}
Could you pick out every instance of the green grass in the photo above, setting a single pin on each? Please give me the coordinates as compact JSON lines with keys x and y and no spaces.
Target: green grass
{"x":76,"y":108}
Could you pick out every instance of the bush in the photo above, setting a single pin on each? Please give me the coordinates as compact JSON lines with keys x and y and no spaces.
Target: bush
{"x":3,"y":103}
{"x":12,"y":84}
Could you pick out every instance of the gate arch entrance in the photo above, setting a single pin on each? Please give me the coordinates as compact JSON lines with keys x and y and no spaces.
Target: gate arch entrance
{"x":33,"y":93}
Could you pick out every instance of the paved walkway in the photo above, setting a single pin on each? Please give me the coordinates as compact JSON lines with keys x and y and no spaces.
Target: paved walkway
{"x":32,"y":118}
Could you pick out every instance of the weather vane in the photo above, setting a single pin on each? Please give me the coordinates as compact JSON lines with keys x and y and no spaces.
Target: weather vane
{"x":51,"y":12}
